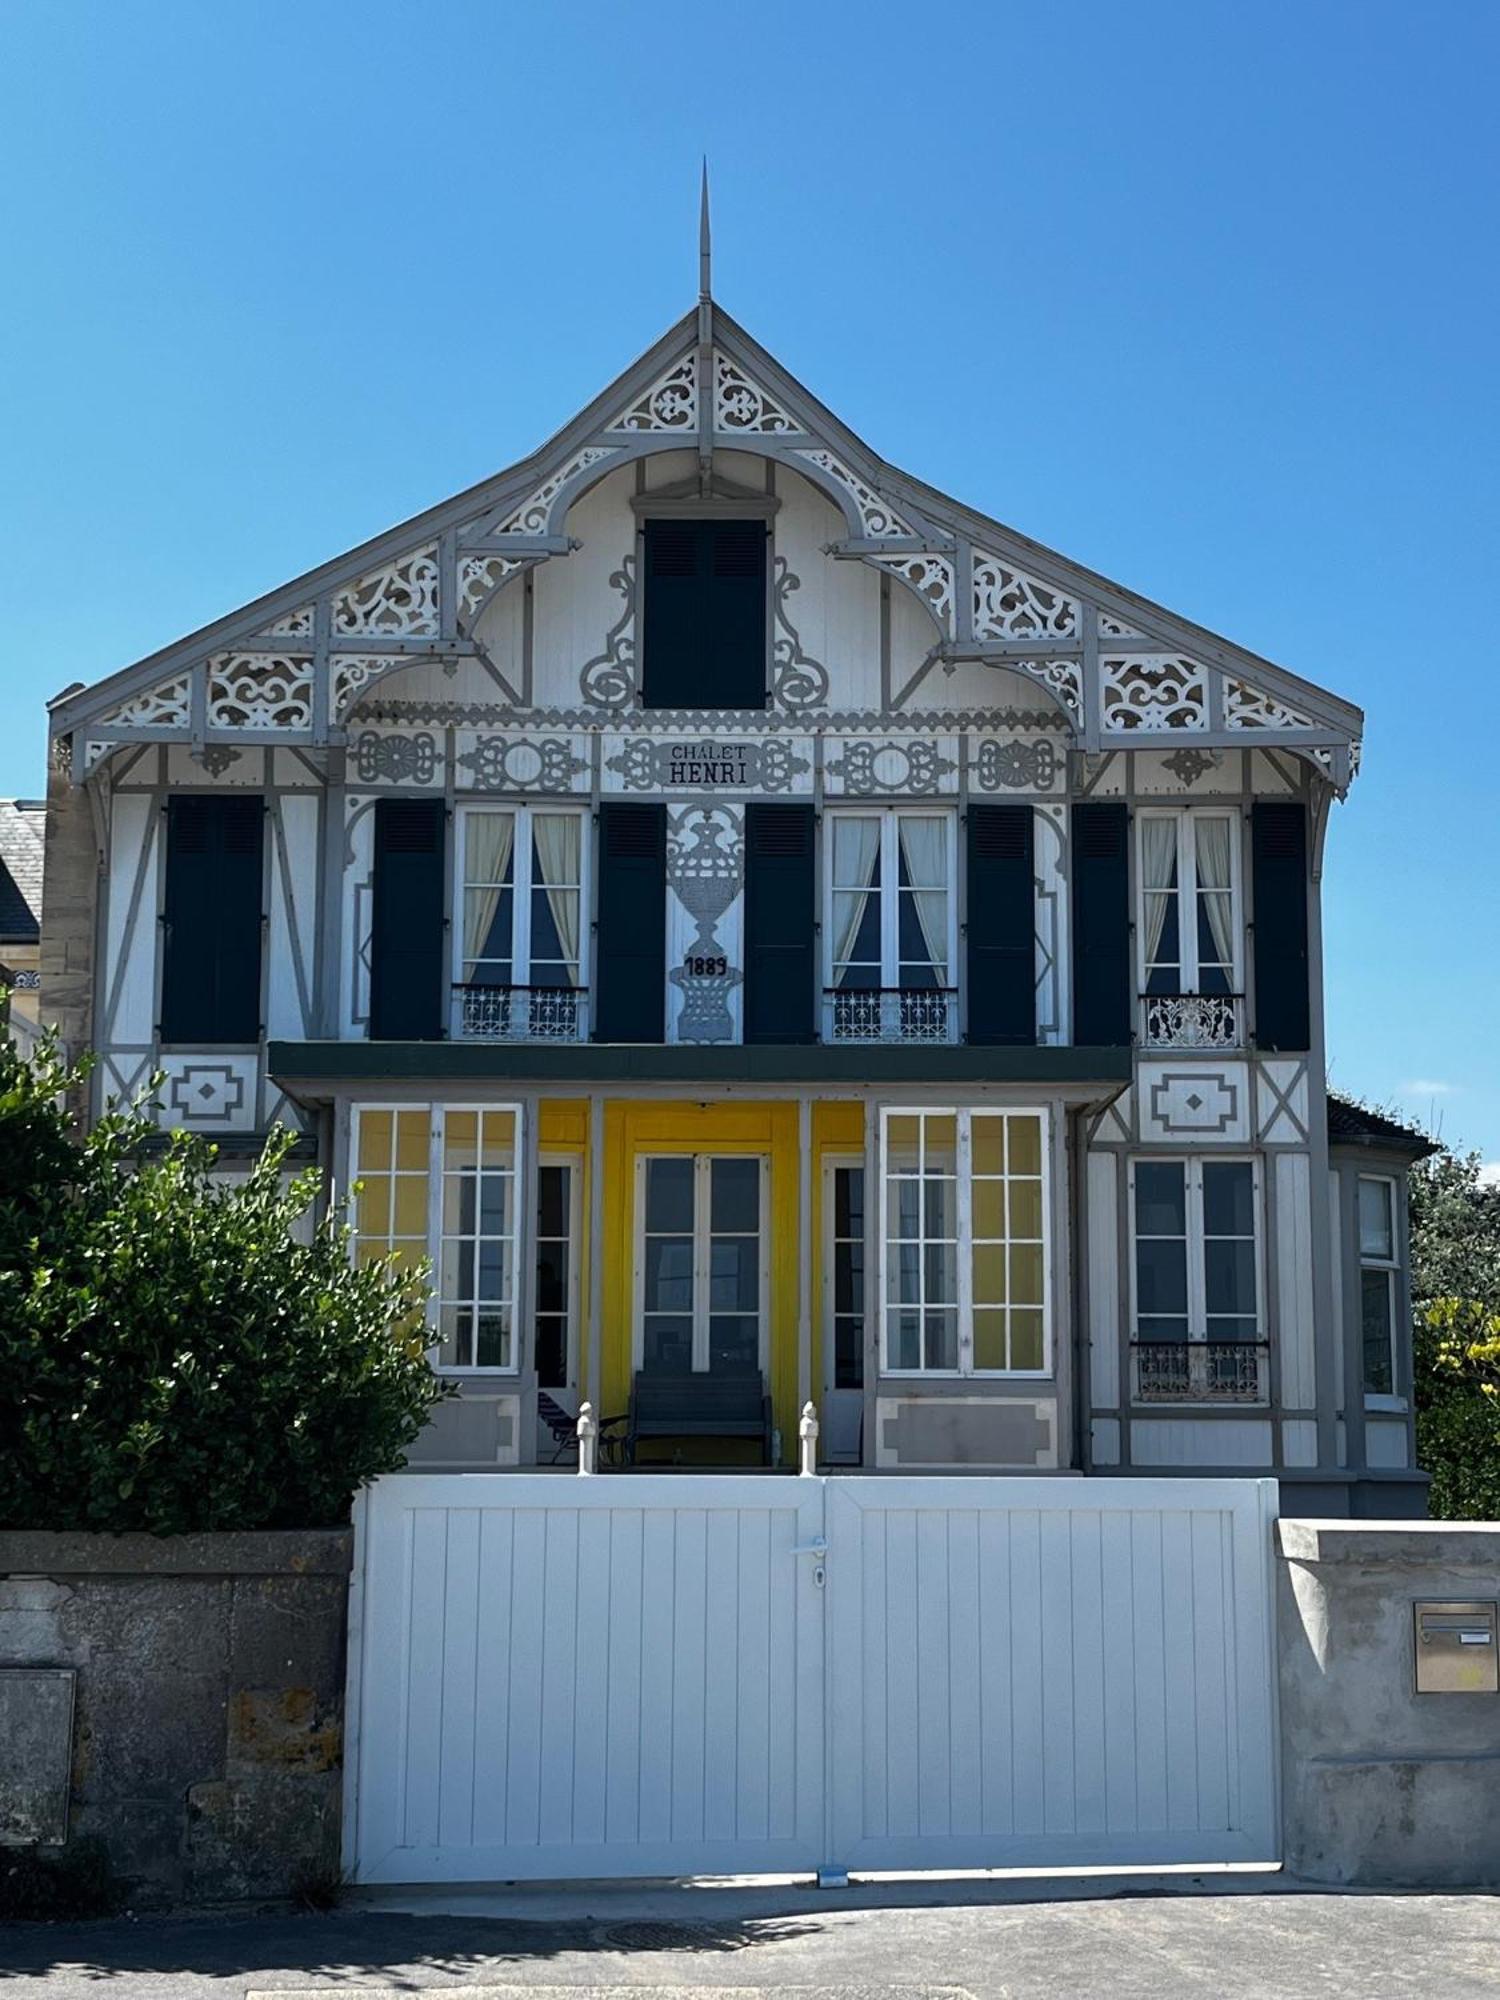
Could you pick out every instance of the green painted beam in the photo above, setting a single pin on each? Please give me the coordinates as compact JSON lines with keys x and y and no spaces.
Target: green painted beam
{"x":294,"y":1063}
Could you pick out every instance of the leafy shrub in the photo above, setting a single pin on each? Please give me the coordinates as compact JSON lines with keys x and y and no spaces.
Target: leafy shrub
{"x":171,"y":1358}
{"x":1455,"y":1234}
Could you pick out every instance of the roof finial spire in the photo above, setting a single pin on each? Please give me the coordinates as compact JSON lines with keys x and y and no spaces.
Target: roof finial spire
{"x":705,"y":241}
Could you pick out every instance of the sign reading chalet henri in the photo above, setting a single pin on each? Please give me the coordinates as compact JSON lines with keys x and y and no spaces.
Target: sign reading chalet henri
{"x":711,"y":763}
{"x":708,"y":765}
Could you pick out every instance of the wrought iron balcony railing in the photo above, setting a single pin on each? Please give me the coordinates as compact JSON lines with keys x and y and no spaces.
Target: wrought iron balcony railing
{"x":1200,"y":1371}
{"x":520,"y":1013}
{"x":890,"y":1014}
{"x":1192,"y":1021}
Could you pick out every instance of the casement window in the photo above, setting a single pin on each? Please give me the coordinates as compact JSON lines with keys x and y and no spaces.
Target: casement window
{"x":1196,"y":1250}
{"x":701,"y":1278}
{"x":441,"y":1182}
{"x":555,"y":1314}
{"x":844,"y":1273}
{"x":703,"y":638}
{"x":964,"y":1283}
{"x":891,"y":928}
{"x":1378,"y":1272}
{"x":211,"y":918}
{"x":519,"y":939}
{"x":1188,"y":919}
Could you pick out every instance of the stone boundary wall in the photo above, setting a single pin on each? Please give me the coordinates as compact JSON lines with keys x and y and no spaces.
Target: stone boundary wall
{"x":203,"y":1741}
{"x":1383,"y":1787}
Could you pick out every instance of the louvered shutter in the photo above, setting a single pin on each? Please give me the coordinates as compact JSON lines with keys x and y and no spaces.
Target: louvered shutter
{"x":630,"y":961}
{"x":212,"y":918}
{"x":780,"y":938}
{"x":1101,"y":926}
{"x":408,"y":941}
{"x":1278,"y":850}
{"x":704,"y":616}
{"x":1001,"y":924}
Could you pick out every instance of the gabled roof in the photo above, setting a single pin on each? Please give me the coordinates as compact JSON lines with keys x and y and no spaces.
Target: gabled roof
{"x":1123,"y":669}
{"x":21,"y":833}
{"x":1351,"y":1123}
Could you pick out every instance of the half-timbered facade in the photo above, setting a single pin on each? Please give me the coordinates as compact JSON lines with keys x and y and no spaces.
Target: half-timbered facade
{"x":747,"y":916}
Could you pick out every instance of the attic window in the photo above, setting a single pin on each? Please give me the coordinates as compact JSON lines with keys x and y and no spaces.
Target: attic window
{"x":704,"y":614}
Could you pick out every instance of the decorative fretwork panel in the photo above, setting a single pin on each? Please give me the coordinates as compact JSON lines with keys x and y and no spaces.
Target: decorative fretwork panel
{"x":296,"y":624}
{"x":877,"y":516}
{"x":479,"y":577}
{"x":1010,"y":605}
{"x":1064,"y":677}
{"x":259,"y":691}
{"x":1246,"y":707}
{"x":534,"y":512}
{"x":1114,"y":628}
{"x":670,"y":404}
{"x":164,"y":707}
{"x":1151,"y":691}
{"x":349,"y":674}
{"x":400,"y":598}
{"x":931,"y":577}
{"x":743,"y":405}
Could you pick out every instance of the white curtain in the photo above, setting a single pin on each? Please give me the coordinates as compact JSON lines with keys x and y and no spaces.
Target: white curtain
{"x":556,"y":836}
{"x":1158,"y":878}
{"x":487,"y":844}
{"x":924,"y":849}
{"x":1213,"y":860}
{"x":856,"y":854}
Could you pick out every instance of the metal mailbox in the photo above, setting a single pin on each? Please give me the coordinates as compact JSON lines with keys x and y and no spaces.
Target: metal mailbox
{"x":1455,"y":1648}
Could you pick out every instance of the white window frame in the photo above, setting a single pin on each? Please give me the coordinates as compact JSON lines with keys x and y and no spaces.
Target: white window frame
{"x":573,"y":1161}
{"x":1185,"y":818}
{"x":1391,"y":1399}
{"x":522,"y":1237}
{"x":963,"y":1115}
{"x":521,"y":851}
{"x":890,"y":818}
{"x":835,"y":1163}
{"x":1197,"y":1286}
{"x":702,"y":1215}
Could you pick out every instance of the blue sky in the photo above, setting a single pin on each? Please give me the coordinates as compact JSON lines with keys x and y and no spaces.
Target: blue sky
{"x":1202,"y":294}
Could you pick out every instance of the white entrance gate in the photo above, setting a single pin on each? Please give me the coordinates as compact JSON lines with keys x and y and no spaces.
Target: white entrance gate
{"x":704,"y":1673}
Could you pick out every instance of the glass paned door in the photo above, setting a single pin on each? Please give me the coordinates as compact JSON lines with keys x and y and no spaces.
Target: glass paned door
{"x":701,"y":1283}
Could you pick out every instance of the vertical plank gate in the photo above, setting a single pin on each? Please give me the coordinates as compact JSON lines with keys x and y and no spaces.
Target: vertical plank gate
{"x":689,"y":1674}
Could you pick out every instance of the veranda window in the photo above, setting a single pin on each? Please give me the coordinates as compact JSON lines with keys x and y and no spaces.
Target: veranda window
{"x":520,"y":951}
{"x":964,"y":1281}
{"x":1196,"y":1280}
{"x":441,"y":1183}
{"x":891,"y":924}
{"x":1189,"y":889}
{"x":1377,"y":1283}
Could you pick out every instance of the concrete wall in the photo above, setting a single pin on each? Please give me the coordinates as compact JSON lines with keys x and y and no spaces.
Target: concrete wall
{"x":203,"y":1740}
{"x":1381,"y":1786}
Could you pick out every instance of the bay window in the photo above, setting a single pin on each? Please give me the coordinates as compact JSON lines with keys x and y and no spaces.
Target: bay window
{"x":891,"y":925}
{"x":963,"y":1243}
{"x":1188,"y":927}
{"x":518,"y":971}
{"x":1377,"y":1283}
{"x":441,"y":1183}
{"x":1196,"y":1280}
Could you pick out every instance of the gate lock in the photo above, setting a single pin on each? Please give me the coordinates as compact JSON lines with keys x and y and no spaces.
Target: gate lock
{"x":818,"y":1547}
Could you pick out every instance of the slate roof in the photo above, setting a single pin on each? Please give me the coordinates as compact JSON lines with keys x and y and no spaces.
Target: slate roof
{"x":1351,"y":1124}
{"x":21,"y":824}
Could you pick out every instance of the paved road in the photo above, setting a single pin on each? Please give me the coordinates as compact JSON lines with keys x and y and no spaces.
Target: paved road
{"x":892,"y":1942}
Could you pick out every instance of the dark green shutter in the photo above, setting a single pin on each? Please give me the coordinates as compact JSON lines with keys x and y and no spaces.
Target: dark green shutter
{"x":210,"y":987}
{"x":408,"y":940}
{"x":704,"y":616}
{"x":1101,"y":926}
{"x":1278,"y":849}
{"x":1001,"y":924}
{"x":780,"y":938}
{"x":630,"y":959}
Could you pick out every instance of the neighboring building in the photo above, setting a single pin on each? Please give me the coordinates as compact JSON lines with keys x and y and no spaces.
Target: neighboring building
{"x":22,"y":824}
{"x":752,"y":919}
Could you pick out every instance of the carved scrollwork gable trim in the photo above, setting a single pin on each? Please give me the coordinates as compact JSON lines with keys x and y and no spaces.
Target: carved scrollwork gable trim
{"x":798,"y":681}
